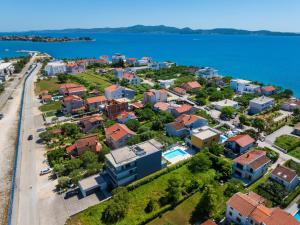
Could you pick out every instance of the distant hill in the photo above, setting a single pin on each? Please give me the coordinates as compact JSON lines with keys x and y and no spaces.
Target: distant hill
{"x":161,"y":29}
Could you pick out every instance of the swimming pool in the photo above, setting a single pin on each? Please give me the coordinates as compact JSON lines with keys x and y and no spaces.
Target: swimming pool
{"x":174,"y":153}
{"x":223,"y":138}
{"x":297,"y":216}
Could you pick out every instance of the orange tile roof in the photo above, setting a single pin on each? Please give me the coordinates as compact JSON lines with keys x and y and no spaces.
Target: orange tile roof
{"x":177,"y":126}
{"x":112,"y":88}
{"x":249,"y":157}
{"x":128,"y":76}
{"x":90,"y":141}
{"x":193,"y":84}
{"x":268,"y":88}
{"x":118,"y":131}
{"x":179,"y":90}
{"x":208,"y":222}
{"x":96,"y":99}
{"x":187,"y":119}
{"x":75,"y":89}
{"x":91,"y":119}
{"x":71,"y":98}
{"x":137,"y":105}
{"x":46,"y":97}
{"x":242,"y":140}
{"x":183,"y":108}
{"x":280,"y":217}
{"x":284,"y":173}
{"x":163,"y":106}
{"x":68,"y":85}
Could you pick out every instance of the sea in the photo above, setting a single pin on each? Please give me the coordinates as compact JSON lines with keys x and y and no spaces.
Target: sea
{"x":268,"y":59}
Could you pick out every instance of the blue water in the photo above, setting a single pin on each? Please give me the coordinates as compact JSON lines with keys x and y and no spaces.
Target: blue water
{"x":174,"y":153}
{"x":269,"y":59}
{"x":297,"y":216}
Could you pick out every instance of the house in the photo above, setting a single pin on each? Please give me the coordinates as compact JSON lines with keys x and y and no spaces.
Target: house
{"x":250,"y":209}
{"x":183,"y":124}
{"x":191,"y":86}
{"x":114,"y":92}
{"x":46,"y":98}
{"x":153,"y":96}
{"x":291,"y":105}
{"x":250,"y":166}
{"x":128,"y":93}
{"x":131,"y":61}
{"x":72,"y":104}
{"x":285,"y":176}
{"x":124,"y":116}
{"x":206,"y":72}
{"x":260,"y":104}
{"x":88,"y":123}
{"x":243,"y":86}
{"x":297,"y":129}
{"x":6,"y":69}
{"x":131,"y":78}
{"x":225,"y":103}
{"x":117,"y":57}
{"x":75,"y":68}
{"x":127,"y":164}
{"x":161,"y":106}
{"x":268,"y":90}
{"x":118,"y":73}
{"x":72,"y":89}
{"x":115,"y":107}
{"x":137,"y":105}
{"x":94,"y":103}
{"x":179,"y":91}
{"x":144,"y":61}
{"x":208,"y":222}
{"x":117,"y":135}
{"x":239,"y":144}
{"x":55,"y":67}
{"x":166,"y":83}
{"x":160,"y":65}
{"x":204,"y":137}
{"x":87,"y":143}
{"x":182,"y":109}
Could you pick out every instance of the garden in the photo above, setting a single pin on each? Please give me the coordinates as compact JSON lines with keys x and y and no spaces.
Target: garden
{"x":289,"y":143}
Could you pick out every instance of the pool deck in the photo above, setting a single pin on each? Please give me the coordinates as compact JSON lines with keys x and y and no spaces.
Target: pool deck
{"x":176,"y":159}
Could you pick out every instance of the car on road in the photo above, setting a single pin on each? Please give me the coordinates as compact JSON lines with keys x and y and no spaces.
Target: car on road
{"x":72,"y":193}
{"x":10,"y":97}
{"x":45,"y":171}
{"x":40,"y":129}
{"x":30,"y":137}
{"x":1,"y":116}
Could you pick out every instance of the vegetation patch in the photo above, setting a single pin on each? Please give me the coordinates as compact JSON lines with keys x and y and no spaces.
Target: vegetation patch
{"x":52,"y":106}
{"x":287,"y":142}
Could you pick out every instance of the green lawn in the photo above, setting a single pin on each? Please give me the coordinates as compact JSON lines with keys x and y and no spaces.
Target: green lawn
{"x":53,"y":106}
{"x":295,"y":153}
{"x":138,"y":199}
{"x":50,"y":85}
{"x":287,"y":142}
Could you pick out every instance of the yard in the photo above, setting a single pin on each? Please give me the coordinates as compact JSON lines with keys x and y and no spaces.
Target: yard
{"x":51,"y":85}
{"x":52,"y":106}
{"x":287,"y":142}
{"x":139,"y":197}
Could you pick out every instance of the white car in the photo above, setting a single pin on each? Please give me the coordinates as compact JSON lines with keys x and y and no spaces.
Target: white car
{"x":45,"y":171}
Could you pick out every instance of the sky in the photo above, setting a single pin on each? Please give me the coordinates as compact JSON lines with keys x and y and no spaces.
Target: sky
{"x":275,"y":15}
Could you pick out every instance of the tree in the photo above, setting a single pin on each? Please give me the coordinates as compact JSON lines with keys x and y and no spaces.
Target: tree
{"x":228,"y":111}
{"x":76,"y":175}
{"x":259,"y":124}
{"x":62,"y":182}
{"x":133,"y":125}
{"x":174,"y":190}
{"x":199,"y":163}
{"x":243,"y":119}
{"x":145,"y":114}
{"x":134,"y":140}
{"x":62,"y":78}
{"x":287,"y":93}
{"x":150,"y":206}
{"x":70,"y":129}
{"x":73,"y":164}
{"x":88,"y":158}
{"x":59,"y":169}
{"x":208,"y":202}
{"x":157,"y":125}
{"x":233,"y":186}
{"x":46,"y":136}
{"x":216,"y":149}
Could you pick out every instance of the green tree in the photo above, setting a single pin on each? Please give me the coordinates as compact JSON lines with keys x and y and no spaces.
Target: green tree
{"x":134,"y":140}
{"x":73,"y":164}
{"x":62,"y":182}
{"x":76,"y":175}
{"x":174,"y":190}
{"x":150,"y":206}
{"x":46,"y":136}
{"x":233,"y":186}
{"x":59,"y":169}
{"x":259,"y":124}
{"x":62,"y":78}
{"x":216,"y":149}
{"x":157,"y":125}
{"x":228,"y":111}
{"x":200,"y":163}
{"x":133,"y":125}
{"x":70,"y":129}
{"x":208,"y":202}
{"x":88,"y":158}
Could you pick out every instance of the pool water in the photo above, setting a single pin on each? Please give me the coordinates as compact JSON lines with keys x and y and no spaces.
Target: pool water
{"x":297,"y":216}
{"x":175,"y":153}
{"x":223,"y":138}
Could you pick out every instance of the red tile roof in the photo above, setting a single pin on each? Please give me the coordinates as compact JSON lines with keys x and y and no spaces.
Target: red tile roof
{"x":163,"y":106}
{"x":192,"y":85}
{"x":112,"y":88}
{"x":179,"y":90}
{"x":254,"y":159}
{"x":88,"y":142}
{"x":284,"y":173}
{"x":118,"y":131}
{"x":123,"y":115}
{"x":75,"y":89}
{"x":128,"y":76}
{"x":183,"y":108}
{"x":187,"y":119}
{"x":137,"y":105}
{"x":208,"y":222}
{"x":268,"y":88}
{"x":96,"y":99}
{"x":91,"y":119}
{"x":68,"y":85}
{"x":71,"y":98}
{"x":242,"y":140}
{"x":177,"y":126}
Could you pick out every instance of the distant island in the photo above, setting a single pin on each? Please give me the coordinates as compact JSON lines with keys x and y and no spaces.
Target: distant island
{"x":37,"y":38}
{"x":161,"y":29}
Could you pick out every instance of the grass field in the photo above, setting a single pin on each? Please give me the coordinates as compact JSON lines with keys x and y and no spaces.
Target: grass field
{"x":94,"y":79}
{"x":50,"y":85}
{"x":139,"y":198}
{"x":287,"y":142}
{"x":53,"y":106}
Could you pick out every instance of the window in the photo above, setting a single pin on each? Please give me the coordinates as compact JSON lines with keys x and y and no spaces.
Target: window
{"x":238,"y":219}
{"x":230,"y":213}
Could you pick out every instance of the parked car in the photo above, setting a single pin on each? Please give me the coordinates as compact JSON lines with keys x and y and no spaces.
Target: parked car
{"x":1,"y":116}
{"x":10,"y":97}
{"x":30,"y":137}
{"x":40,"y":129}
{"x":72,"y":193}
{"x":45,"y":171}
{"x":71,"y":185}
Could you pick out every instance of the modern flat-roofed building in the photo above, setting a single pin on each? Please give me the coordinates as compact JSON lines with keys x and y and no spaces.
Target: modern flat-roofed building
{"x":260,"y":104}
{"x":225,"y":103}
{"x":204,"y":137}
{"x":130,"y":163}
{"x":244,"y":86}
{"x":55,"y":67}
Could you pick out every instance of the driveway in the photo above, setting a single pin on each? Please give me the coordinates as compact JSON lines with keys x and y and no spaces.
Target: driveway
{"x":283,"y":130}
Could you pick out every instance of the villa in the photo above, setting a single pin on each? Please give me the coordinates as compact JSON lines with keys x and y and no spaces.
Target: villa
{"x":204,"y":137}
{"x":182,"y":109}
{"x":260,"y":104}
{"x":117,"y":135}
{"x":94,"y":103}
{"x":296,"y":130}
{"x":191,"y":86}
{"x":72,"y":104}
{"x":89,"y":123}
{"x":75,"y":68}
{"x":88,"y":143}
{"x":113,"y":92}
{"x":268,"y":90}
{"x":206,"y":72}
{"x":118,"y":73}
{"x":243,"y":86}
{"x":161,"y":106}
{"x":179,"y":90}
{"x":114,"y":107}
{"x":72,"y":89}
{"x":239,"y":144}
{"x":225,"y":103}
{"x":183,"y":124}
{"x":291,"y":105}
{"x":6,"y":70}
{"x":117,"y":57}
{"x":250,"y":166}
{"x":55,"y":67}
{"x":285,"y":176}
{"x":131,"y":61}
{"x":130,"y":163}
{"x":154,"y":96}
{"x":160,"y":65}
{"x":166,"y":83}
{"x":131,"y":78}
{"x":250,"y":209}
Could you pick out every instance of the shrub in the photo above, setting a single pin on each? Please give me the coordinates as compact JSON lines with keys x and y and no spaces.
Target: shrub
{"x":287,"y":142}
